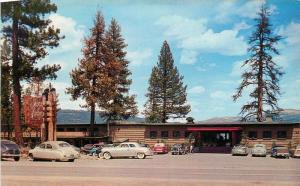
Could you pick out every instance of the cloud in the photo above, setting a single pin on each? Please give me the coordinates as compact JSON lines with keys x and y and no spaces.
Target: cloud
{"x":194,"y":37}
{"x":73,"y":32}
{"x":237,"y":69}
{"x":219,"y":95}
{"x":196,"y":90}
{"x":226,"y":10}
{"x":139,"y":57}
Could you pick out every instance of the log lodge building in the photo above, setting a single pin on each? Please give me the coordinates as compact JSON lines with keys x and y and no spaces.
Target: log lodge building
{"x":206,"y":137}
{"x":209,"y":137}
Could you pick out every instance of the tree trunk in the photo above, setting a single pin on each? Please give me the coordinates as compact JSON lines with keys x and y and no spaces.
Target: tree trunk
{"x":92,"y":121}
{"x":16,"y":84}
{"x":260,"y":81}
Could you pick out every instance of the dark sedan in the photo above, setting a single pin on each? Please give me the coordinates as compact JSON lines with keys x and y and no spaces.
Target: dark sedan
{"x":10,"y":149}
{"x":280,"y":152}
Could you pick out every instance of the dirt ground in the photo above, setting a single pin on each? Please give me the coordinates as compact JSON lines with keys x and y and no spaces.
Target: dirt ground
{"x":191,"y":169}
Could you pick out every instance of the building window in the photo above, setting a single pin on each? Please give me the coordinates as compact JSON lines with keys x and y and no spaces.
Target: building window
{"x":153,"y":134}
{"x":71,"y":129}
{"x":252,"y":135}
{"x":267,"y":134}
{"x":60,"y":129}
{"x":281,"y":134}
{"x":176,"y":134}
{"x":187,"y":134}
{"x":164,"y":134}
{"x":83,"y":129}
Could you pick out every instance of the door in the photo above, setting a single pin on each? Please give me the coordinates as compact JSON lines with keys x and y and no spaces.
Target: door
{"x":123,"y":150}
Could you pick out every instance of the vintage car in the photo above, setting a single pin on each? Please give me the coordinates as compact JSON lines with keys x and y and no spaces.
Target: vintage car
{"x":127,"y":149}
{"x":259,"y":150}
{"x":239,"y":150}
{"x":280,"y":151}
{"x":297,"y":152}
{"x":160,"y":148}
{"x":54,"y":150}
{"x":10,"y":149}
{"x":178,"y":149}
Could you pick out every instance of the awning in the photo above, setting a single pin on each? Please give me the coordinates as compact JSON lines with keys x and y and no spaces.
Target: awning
{"x":214,"y":128}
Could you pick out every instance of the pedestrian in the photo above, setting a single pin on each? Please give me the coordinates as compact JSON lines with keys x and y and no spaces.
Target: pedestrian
{"x":191,"y":148}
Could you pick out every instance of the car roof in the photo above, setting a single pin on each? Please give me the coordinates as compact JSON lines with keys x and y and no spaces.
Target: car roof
{"x":7,"y":142}
{"x":130,"y":143}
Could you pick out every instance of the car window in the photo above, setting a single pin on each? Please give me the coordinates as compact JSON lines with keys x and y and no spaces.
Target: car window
{"x":48,"y":146}
{"x":124,"y":146}
{"x":64,"y":145}
{"x":42,"y":145}
{"x":131,"y":145}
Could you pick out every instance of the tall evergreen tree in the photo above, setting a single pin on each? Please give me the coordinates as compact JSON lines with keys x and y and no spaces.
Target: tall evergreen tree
{"x":29,"y":34}
{"x":122,"y":105}
{"x":6,"y":106}
{"x":263,"y":73}
{"x":94,"y":80}
{"x":166,"y":92}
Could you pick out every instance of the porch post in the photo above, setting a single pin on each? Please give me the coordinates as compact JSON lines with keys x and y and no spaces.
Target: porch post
{"x":233,"y":136}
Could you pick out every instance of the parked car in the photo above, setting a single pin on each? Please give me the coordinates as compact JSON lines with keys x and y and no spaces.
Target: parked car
{"x":178,"y":149}
{"x":54,"y":150}
{"x":91,"y":149}
{"x":239,"y":150}
{"x":280,"y":151}
{"x":160,"y":148}
{"x":127,"y":149}
{"x":259,"y":150}
{"x":297,"y":152}
{"x":10,"y":149}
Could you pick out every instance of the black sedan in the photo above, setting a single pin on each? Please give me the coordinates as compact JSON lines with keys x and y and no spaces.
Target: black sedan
{"x":10,"y":149}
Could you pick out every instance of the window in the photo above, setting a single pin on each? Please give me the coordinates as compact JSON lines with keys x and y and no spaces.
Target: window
{"x":187,"y":134}
{"x":131,"y":145}
{"x":176,"y":134}
{"x":48,"y":146}
{"x":124,"y":146}
{"x":96,"y":129}
{"x":153,"y":134}
{"x":164,"y":134}
{"x":71,"y":129}
{"x":267,"y":134}
{"x":82,"y":129}
{"x":252,"y":134}
{"x":60,"y":129}
{"x":281,"y":134}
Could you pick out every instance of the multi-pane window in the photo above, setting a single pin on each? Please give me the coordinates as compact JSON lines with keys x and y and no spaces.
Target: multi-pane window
{"x":164,"y":134}
{"x":267,"y":134}
{"x":83,"y":129}
{"x":60,"y":129}
{"x":252,"y":135}
{"x":176,"y":134}
{"x":71,"y":129}
{"x":153,"y":134}
{"x":281,"y":134}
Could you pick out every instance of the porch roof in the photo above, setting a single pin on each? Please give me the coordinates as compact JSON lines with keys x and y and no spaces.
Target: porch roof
{"x":214,"y":128}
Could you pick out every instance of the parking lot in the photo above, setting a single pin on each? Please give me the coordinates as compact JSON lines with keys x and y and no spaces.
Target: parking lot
{"x":190,"y":169}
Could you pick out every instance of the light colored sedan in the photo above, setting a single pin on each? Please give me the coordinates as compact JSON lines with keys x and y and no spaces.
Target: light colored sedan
{"x":259,"y":150}
{"x":127,"y":149}
{"x":297,"y":152}
{"x":54,"y":150}
{"x":239,"y":150}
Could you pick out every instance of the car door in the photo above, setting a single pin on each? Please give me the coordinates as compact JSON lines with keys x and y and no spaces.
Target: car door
{"x":50,"y":152}
{"x":132,"y":150}
{"x":123,"y":150}
{"x":40,"y":151}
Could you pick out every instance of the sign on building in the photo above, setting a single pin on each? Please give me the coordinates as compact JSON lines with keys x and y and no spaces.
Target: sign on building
{"x":33,"y":111}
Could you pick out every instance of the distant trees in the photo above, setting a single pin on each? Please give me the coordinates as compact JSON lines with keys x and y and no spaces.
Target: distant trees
{"x":28,"y":34}
{"x":101,"y":78}
{"x":263,"y":73}
{"x":166,"y":93}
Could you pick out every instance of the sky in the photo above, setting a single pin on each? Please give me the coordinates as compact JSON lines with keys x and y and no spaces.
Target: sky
{"x":208,"y":40}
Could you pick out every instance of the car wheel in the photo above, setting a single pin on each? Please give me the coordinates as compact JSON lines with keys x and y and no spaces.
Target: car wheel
{"x":107,"y":155}
{"x":141,"y":155}
{"x":16,"y":158}
{"x":31,"y":157}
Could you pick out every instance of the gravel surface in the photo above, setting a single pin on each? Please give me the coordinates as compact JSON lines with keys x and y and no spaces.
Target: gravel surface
{"x":191,"y":169}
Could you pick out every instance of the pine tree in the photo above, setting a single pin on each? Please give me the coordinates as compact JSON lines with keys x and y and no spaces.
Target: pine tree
{"x":263,"y":73}
{"x":166,"y":92}
{"x":123,"y":105}
{"x":94,"y":80}
{"x":6,"y":106}
{"x":29,"y":34}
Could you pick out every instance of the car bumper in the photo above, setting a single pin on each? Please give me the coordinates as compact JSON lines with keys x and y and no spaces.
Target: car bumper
{"x":10,"y":155}
{"x":239,"y":153}
{"x":282,"y":155}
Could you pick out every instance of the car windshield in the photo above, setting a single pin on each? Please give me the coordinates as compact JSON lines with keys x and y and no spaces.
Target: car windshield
{"x":11,"y":146}
{"x":64,"y":145}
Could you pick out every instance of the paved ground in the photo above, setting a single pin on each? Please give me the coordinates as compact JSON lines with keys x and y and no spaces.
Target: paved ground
{"x":192,"y":169}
